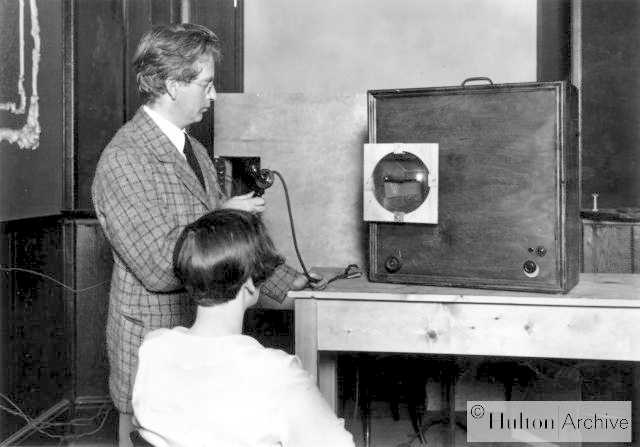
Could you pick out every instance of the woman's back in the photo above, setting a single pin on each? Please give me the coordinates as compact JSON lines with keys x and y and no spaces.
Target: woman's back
{"x":229,"y":391}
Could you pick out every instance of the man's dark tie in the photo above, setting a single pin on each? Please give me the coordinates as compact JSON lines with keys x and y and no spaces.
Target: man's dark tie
{"x":193,"y":161}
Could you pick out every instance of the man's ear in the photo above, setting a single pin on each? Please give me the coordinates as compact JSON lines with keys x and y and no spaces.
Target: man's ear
{"x":171,"y":85}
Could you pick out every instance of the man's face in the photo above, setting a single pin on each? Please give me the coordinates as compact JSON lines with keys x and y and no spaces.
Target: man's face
{"x":194,"y":98}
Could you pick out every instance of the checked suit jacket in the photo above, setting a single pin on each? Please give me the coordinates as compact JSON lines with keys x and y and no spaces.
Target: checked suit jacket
{"x":144,"y":193}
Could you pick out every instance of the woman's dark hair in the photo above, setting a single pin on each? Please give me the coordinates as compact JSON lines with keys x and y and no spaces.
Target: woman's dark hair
{"x":171,"y":52}
{"x":215,"y":255}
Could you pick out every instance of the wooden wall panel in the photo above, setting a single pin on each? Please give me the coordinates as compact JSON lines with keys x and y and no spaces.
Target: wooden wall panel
{"x":610,"y":105}
{"x":554,"y":40}
{"x":8,"y":423}
{"x":98,"y":90}
{"x":89,"y":264}
{"x":53,"y":340}
{"x":37,"y":360}
{"x":225,"y":18}
{"x":140,"y":16}
{"x":137,"y":19}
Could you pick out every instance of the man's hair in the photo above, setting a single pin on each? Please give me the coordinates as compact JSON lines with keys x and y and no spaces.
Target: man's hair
{"x":215,"y":255}
{"x":171,"y":52}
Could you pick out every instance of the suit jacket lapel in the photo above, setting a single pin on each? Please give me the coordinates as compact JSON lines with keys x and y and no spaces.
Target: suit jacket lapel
{"x":160,"y":145}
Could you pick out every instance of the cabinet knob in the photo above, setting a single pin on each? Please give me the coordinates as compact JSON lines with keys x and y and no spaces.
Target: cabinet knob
{"x":392,"y":264}
{"x":529,"y":267}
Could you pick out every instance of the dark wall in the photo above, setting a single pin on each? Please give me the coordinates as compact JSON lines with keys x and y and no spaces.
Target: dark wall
{"x":98,"y":84}
{"x":553,"y":40}
{"x":5,"y":294}
{"x":52,"y":345}
{"x":611,"y":102}
{"x":87,"y":90}
{"x":139,"y":16}
{"x":225,"y":18}
{"x":34,"y":338}
{"x":610,"y":91}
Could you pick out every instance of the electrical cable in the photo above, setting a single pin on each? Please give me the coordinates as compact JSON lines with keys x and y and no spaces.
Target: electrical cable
{"x":52,"y":279}
{"x":293,"y":230}
{"x":41,"y":426}
{"x":352,"y":270}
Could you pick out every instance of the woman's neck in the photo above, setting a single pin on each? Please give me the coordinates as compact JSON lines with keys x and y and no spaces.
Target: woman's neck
{"x":219,"y":320}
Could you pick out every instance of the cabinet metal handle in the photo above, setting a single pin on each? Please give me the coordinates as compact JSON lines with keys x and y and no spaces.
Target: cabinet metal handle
{"x":477,"y":78}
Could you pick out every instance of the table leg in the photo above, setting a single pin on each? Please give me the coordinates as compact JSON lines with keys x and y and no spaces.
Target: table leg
{"x":306,"y":335}
{"x":321,"y":366}
{"x":328,"y":378}
{"x":635,"y":407}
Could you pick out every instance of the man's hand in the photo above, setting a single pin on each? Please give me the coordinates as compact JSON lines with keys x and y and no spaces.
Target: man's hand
{"x":245,"y":202}
{"x":301,"y":281}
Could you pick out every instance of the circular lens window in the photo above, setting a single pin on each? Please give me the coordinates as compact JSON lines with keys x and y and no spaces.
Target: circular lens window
{"x":401,"y":182}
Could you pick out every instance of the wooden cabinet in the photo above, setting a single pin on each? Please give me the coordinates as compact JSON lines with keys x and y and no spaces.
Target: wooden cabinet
{"x":507,"y":216}
{"x":611,"y":242}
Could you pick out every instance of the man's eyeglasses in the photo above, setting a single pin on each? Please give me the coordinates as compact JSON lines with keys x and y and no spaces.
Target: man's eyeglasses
{"x":208,"y":86}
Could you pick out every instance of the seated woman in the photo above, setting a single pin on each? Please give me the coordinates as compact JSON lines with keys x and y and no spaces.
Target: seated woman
{"x":209,"y":385}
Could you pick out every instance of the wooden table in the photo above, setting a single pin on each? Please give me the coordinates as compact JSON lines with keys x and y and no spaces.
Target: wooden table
{"x":599,"y":319}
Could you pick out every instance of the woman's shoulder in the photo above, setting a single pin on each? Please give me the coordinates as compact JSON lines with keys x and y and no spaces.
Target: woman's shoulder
{"x":162,"y":333}
{"x":288,"y":366}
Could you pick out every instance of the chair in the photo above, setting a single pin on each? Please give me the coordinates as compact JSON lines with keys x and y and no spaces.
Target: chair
{"x":138,"y":440}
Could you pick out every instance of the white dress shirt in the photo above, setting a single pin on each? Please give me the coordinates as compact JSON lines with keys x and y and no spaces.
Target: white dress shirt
{"x":173,"y":132}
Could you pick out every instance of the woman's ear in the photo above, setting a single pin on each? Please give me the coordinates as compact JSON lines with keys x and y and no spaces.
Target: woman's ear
{"x":250,"y":293}
{"x":251,"y":287}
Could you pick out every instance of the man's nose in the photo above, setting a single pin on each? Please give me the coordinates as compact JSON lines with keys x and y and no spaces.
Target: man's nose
{"x":212,"y":95}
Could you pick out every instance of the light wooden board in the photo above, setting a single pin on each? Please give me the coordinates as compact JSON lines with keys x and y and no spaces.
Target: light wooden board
{"x":479,"y":329}
{"x":316,"y":143}
{"x":593,"y":290}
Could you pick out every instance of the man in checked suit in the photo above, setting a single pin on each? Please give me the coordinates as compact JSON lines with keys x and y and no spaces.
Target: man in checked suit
{"x":151,"y":181}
